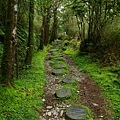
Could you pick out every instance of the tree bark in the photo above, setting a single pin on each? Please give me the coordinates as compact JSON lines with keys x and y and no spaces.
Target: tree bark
{"x":10,"y":43}
{"x":30,"y":45}
{"x":54,"y":27}
{"x":47,"y":26}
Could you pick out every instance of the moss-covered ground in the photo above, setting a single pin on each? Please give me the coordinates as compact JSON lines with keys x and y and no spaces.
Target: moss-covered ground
{"x":22,"y":102}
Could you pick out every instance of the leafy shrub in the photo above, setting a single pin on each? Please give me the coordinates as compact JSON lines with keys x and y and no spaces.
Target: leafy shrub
{"x":111,"y":41}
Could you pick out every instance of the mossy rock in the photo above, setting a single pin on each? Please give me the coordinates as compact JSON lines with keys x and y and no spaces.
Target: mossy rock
{"x":55,"y":56}
{"x":54,"y":50}
{"x":68,"y":80}
{"x":58,"y":72}
{"x":64,"y":93}
{"x":60,"y":66}
{"x":59,"y":59}
{"x":76,"y":113}
{"x":54,"y":62}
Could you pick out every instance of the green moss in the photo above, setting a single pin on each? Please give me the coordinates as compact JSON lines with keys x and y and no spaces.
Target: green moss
{"x":74,"y":87}
{"x":21,"y":103}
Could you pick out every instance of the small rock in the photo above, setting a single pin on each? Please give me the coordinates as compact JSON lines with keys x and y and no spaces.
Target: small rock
{"x":49,"y":107}
{"x":101,"y":116}
{"x":54,"y":112}
{"x":49,"y":113}
{"x":57,"y":72}
{"x":43,"y":100}
{"x":57,"y":109}
{"x":61,"y":113}
{"x":68,"y":80}
{"x":95,"y":104}
{"x":78,"y":91}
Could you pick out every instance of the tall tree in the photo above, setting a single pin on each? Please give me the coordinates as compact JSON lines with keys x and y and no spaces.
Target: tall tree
{"x":42,"y":39}
{"x":47,"y":26}
{"x":10,"y":42}
{"x":29,"y":53}
{"x":55,"y":21}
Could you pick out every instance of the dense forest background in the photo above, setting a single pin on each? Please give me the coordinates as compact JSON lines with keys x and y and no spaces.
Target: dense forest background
{"x":27,"y":26}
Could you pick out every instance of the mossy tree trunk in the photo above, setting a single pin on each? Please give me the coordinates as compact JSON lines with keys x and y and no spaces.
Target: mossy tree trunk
{"x":10,"y":43}
{"x":42,"y":39}
{"x":55,"y":25}
{"x":30,"y":45}
{"x":47,"y":26}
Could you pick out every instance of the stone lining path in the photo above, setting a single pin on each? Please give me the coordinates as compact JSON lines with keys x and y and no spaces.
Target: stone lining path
{"x":59,"y":68}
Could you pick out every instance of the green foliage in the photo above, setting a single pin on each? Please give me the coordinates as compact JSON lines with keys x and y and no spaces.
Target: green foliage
{"x":22,"y":102}
{"x":1,"y":32}
{"x":1,"y":51}
{"x":111,"y":42}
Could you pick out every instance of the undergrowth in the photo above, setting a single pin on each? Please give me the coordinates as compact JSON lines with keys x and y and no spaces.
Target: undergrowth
{"x":102,"y":76}
{"x":22,"y":102}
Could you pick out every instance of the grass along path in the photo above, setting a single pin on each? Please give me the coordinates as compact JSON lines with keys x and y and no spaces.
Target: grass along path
{"x":21,"y":103}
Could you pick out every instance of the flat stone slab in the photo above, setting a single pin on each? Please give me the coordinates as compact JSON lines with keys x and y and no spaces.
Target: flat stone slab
{"x":76,"y":113}
{"x":56,"y":53}
{"x":54,"y":50}
{"x":55,"y":56}
{"x":68,"y":80}
{"x":59,"y":66}
{"x":57,"y":72}
{"x":63,"y":92}
{"x":54,"y":62}
{"x":59,"y":58}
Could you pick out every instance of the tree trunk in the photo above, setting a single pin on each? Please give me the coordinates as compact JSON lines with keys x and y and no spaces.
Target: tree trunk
{"x":10,"y":43}
{"x":54,"y":28}
{"x":79,"y":37}
{"x":42,"y":39}
{"x":47,"y":26}
{"x":30,"y":45}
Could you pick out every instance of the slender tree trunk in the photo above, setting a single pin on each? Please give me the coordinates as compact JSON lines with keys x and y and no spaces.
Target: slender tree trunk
{"x":83,"y":29}
{"x":30,"y":45}
{"x":10,"y":43}
{"x":54,"y":27}
{"x":42,"y":39}
{"x":78,"y":27}
{"x":47,"y":26}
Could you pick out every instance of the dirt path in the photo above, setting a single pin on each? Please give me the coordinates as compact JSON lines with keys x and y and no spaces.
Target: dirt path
{"x":89,"y":94}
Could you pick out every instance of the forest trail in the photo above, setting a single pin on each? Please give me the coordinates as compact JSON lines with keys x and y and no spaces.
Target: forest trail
{"x":61,"y":72}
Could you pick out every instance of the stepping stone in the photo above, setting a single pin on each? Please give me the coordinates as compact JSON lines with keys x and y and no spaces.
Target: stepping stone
{"x":68,"y":80}
{"x":54,"y":50}
{"x":54,"y":62}
{"x":55,"y":53}
{"x":59,"y":59}
{"x":55,"y":56}
{"x":58,"y":66}
{"x":63,"y":92}
{"x":57,"y":72}
{"x":76,"y":113}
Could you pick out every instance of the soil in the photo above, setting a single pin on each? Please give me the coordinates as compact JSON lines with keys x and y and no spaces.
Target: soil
{"x":90,"y":94}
